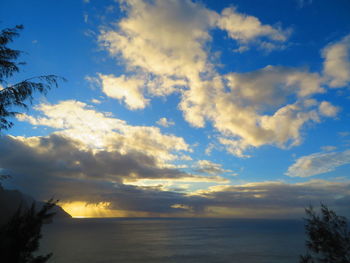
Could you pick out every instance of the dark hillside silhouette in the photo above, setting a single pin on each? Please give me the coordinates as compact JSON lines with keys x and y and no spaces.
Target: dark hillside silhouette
{"x":10,"y":200}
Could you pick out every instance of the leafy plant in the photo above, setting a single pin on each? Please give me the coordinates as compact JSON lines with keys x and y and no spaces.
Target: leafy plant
{"x":328,"y":237}
{"x":19,"y":238}
{"x":15,"y":95}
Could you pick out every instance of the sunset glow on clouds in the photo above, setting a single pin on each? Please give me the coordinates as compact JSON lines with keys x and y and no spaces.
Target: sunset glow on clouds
{"x":186,"y":108}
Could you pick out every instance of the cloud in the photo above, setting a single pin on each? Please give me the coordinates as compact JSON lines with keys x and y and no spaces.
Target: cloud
{"x":245,"y":28}
{"x":57,"y":166}
{"x":253,"y":113}
{"x":168,"y":38}
{"x":282,"y":128}
{"x":318,"y":163}
{"x":58,"y":159}
{"x":125,"y":89}
{"x":96,"y":101}
{"x":337,"y":63}
{"x":274,"y":199}
{"x":165,"y":122}
{"x":327,"y":109}
{"x":98,"y":130}
{"x":163,"y":37}
{"x":209,"y":167}
{"x":273,"y":85}
{"x":166,"y":45}
{"x":94,"y":147}
{"x":328,"y":148}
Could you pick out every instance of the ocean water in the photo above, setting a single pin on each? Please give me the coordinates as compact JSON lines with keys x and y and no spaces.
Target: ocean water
{"x":174,"y":240}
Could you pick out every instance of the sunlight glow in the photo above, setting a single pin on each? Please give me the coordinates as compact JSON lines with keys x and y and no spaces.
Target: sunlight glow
{"x":79,"y":209}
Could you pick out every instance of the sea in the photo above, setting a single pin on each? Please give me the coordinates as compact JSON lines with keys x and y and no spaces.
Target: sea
{"x":150,"y":240}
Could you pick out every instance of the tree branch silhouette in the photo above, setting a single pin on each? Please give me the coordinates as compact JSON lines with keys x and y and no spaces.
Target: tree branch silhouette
{"x":16,"y":95}
{"x":328,"y":237}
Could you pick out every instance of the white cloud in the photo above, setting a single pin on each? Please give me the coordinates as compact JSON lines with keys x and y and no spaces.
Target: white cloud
{"x":166,"y":42}
{"x":337,"y":62}
{"x":273,"y":84}
{"x":328,"y":148}
{"x":167,"y":38}
{"x":243,"y":124}
{"x":165,"y":122}
{"x":318,"y":163}
{"x":245,"y":28}
{"x":129,"y":90}
{"x":162,"y":38}
{"x":327,"y":109}
{"x":96,"y":101}
{"x":99,"y":130}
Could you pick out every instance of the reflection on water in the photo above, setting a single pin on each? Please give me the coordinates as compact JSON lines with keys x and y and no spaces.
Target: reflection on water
{"x":174,"y":240}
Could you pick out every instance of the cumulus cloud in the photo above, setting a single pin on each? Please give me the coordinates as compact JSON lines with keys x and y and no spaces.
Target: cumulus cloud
{"x":60,"y":156}
{"x":166,"y":45}
{"x":129,"y":90}
{"x":99,"y":130}
{"x":318,"y":163}
{"x":245,"y":28}
{"x":243,"y":127}
{"x":337,"y":62}
{"x":165,"y":122}
{"x":273,"y":85}
{"x":162,"y":37}
{"x":93,"y":146}
{"x":247,"y":116}
{"x":327,"y":109}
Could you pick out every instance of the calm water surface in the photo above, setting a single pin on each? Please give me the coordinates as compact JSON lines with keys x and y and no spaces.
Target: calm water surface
{"x":174,"y":240}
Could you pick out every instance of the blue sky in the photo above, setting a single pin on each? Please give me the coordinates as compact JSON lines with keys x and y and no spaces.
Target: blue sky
{"x":209,"y":100}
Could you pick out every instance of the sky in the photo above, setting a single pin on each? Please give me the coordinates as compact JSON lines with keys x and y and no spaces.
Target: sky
{"x":183,"y":108}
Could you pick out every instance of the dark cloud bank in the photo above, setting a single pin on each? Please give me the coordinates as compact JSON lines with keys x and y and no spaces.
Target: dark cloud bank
{"x":59,"y":167}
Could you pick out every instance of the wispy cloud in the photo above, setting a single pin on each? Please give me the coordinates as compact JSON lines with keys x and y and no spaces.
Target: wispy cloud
{"x":165,"y":122}
{"x":209,"y":167}
{"x":318,"y":163}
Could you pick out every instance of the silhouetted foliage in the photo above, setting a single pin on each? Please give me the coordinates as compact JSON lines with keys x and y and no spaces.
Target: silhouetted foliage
{"x":328,"y":237}
{"x":19,"y":238}
{"x":16,"y":94}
